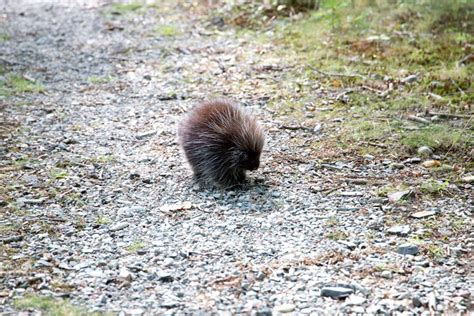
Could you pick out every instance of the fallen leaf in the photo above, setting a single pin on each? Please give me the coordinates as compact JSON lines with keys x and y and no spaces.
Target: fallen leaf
{"x":431,"y":163}
{"x":396,"y":196}
{"x":423,"y":214}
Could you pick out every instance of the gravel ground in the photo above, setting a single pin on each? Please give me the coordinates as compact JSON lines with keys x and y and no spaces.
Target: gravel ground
{"x":99,"y":206}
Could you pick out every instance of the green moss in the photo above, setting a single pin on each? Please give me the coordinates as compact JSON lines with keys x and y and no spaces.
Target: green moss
{"x":136,"y":245}
{"x":57,"y":173}
{"x":124,"y":8}
{"x":47,"y":305}
{"x":434,"y":187}
{"x":100,"y":79}
{"x":438,"y":136}
{"x":434,"y":251}
{"x":4,"y":37}
{"x":168,"y":30}
{"x":103,"y":220}
{"x":14,"y":84}
{"x":337,"y":235}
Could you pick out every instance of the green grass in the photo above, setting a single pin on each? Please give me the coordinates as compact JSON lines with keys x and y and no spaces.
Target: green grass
{"x":136,"y":245}
{"x":100,"y":79}
{"x":124,"y":8}
{"x":370,"y":49}
{"x":14,"y":84}
{"x":337,"y":235}
{"x":58,"y":174}
{"x":434,"y":187}
{"x":437,"y":136}
{"x":48,"y":306}
{"x":4,"y":37}
{"x":103,"y":220}
{"x":434,"y":251}
{"x":168,"y":30}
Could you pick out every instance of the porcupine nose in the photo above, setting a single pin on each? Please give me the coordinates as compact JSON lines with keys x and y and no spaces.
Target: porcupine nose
{"x":254,"y":166}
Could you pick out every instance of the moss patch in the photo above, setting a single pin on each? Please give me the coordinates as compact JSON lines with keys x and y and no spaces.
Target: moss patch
{"x":48,"y":305}
{"x":14,"y":84}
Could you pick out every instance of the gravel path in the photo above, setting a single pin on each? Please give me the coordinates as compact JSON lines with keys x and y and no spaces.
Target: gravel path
{"x":98,"y":205}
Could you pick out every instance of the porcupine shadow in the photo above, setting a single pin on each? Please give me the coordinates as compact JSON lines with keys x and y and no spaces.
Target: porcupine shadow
{"x":221,"y":142}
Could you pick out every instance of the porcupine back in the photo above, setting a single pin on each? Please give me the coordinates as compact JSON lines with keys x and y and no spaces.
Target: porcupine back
{"x":221,"y":142}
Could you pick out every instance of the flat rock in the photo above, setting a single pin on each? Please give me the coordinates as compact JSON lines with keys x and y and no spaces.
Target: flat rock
{"x":397,"y":196}
{"x":284,"y":308}
{"x":336,"y":291}
{"x":423,"y":214}
{"x":400,"y":230}
{"x":119,"y":226}
{"x":408,"y":249}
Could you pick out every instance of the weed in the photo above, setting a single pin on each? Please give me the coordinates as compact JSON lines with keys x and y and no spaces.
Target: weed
{"x":58,"y":174}
{"x":434,"y":187}
{"x":14,"y":84}
{"x":4,"y":37}
{"x":136,"y":245}
{"x":332,"y":221}
{"x":437,"y":137}
{"x":337,"y":235}
{"x":103,"y":220}
{"x":434,"y":251}
{"x":100,"y":79}
{"x":168,"y":30}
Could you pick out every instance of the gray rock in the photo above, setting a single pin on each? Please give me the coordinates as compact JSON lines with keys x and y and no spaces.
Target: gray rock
{"x":170,"y":304}
{"x":145,"y":134}
{"x":410,"y":79}
{"x":386,"y":274}
{"x":400,"y":230}
{"x":119,"y":226}
{"x":336,"y":291}
{"x":284,"y":308}
{"x":425,"y":151}
{"x":408,"y":249}
{"x":125,"y":275}
{"x":164,"y":276}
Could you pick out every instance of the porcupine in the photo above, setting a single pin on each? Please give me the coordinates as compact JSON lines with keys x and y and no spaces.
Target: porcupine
{"x":221,"y":141}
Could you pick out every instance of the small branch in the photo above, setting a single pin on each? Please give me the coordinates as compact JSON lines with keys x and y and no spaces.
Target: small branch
{"x":333,"y":74}
{"x":418,"y":119}
{"x":467,"y":116}
{"x":376,"y":145}
{"x":295,"y":128}
{"x":457,"y":86}
{"x":11,"y":63}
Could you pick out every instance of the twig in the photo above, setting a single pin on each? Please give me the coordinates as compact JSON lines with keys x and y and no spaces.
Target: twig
{"x":457,"y":86}
{"x":418,"y":119}
{"x":450,"y":115}
{"x":376,"y":145}
{"x":333,"y":74}
{"x":12,"y":62}
{"x":295,"y":128}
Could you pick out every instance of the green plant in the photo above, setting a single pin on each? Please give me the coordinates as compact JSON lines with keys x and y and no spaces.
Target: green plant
{"x":167,"y":30}
{"x":14,"y":84}
{"x":136,"y":245}
{"x":432,"y":186}
{"x":58,"y":174}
